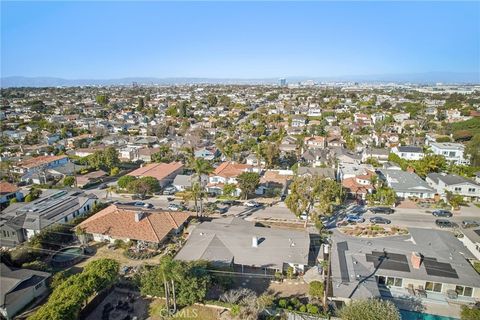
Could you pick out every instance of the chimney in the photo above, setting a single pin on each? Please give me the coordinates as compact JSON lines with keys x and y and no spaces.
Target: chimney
{"x":254,"y":242}
{"x":416,"y":260}
{"x":138,"y":216}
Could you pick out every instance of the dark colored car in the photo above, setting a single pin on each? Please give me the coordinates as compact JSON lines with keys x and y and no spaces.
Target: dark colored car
{"x":442,"y":213}
{"x":103,"y":186}
{"x":379,"y":220}
{"x":470,"y":224}
{"x":381,"y":210}
{"x":444,"y":223}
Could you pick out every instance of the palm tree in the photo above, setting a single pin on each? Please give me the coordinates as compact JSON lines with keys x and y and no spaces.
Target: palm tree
{"x":201,"y":167}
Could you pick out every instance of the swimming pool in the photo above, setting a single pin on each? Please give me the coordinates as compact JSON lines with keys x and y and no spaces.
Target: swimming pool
{"x":67,"y":257}
{"x":412,"y":315}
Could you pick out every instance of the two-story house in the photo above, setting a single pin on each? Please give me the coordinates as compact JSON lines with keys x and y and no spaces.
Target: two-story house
{"x":451,"y":151}
{"x":444,"y":183}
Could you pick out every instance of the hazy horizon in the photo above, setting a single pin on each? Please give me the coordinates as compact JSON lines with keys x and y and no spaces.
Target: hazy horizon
{"x":231,"y":40}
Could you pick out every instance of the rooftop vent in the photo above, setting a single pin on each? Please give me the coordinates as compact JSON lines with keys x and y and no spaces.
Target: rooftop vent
{"x":139,"y":216}
{"x":254,"y":242}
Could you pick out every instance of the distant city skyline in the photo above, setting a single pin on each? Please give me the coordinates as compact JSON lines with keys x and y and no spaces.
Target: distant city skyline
{"x":107,"y":40}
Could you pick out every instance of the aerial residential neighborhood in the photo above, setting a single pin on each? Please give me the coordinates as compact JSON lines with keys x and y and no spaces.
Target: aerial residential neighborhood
{"x":240,"y":160}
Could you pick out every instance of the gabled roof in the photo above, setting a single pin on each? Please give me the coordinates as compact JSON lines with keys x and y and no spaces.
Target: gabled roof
{"x":119,"y":223}
{"x":7,"y":187}
{"x":450,"y":179}
{"x":38,"y":161}
{"x":224,"y":240}
{"x":230,"y":169}
{"x":157,"y":170}
{"x":13,"y":281}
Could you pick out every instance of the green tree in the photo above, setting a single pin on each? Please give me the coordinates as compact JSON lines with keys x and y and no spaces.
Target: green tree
{"x":190,"y":278}
{"x":183,"y":109}
{"x":270,"y":153}
{"x":468,"y":313}
{"x":102,"y":99}
{"x":141,"y":103}
{"x":164,"y":154}
{"x":70,"y":295}
{"x":473,"y":150}
{"x":201,"y":167}
{"x":212,"y":100}
{"x":229,"y":189}
{"x":248,"y":182}
{"x":124,"y":181}
{"x":371,"y":309}
{"x":313,"y":195}
{"x":69,"y":181}
{"x":315,"y":289}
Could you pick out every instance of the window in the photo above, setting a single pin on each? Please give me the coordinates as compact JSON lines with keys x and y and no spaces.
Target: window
{"x":464,"y":291}
{"x":471,"y":189}
{"x":458,"y":189}
{"x":39,"y":285}
{"x":390,"y":281}
{"x":433,"y":286}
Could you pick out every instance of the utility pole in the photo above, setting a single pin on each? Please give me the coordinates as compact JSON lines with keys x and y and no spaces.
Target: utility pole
{"x":327,"y":284}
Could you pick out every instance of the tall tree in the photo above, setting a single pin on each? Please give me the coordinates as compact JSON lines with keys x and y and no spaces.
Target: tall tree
{"x":201,"y":167}
{"x":248,"y":182}
{"x":313,"y":195}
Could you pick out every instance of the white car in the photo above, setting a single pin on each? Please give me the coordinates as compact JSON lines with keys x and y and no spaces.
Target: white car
{"x":173,"y":207}
{"x":252,"y":204}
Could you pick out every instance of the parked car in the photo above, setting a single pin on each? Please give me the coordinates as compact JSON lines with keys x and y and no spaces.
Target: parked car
{"x":354,"y":218}
{"x":444,"y":223}
{"x":173,"y":207}
{"x":303,"y":216}
{"x":221,"y":210}
{"x":169,"y":199}
{"x":358,"y":210}
{"x":102,"y":186}
{"x":252,"y":204}
{"x":169,"y":191}
{"x":138,"y":204}
{"x":442,"y":213}
{"x":379,"y":220}
{"x":470,"y":224}
{"x":381,"y":210}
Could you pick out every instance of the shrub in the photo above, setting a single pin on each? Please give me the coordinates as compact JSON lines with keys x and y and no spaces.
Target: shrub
{"x":290,"y":272}
{"x":470,"y":313}
{"x":282,"y":303}
{"x":235,"y":310}
{"x":36,"y":265}
{"x":302,"y":308}
{"x":315,"y":289}
{"x":370,"y":309}
{"x":312,"y":309}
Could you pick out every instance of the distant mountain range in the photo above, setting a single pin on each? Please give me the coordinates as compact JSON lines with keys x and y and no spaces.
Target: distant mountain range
{"x":419,"y":78}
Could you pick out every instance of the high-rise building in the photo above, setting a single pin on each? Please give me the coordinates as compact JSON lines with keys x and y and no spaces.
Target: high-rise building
{"x":283,"y":82}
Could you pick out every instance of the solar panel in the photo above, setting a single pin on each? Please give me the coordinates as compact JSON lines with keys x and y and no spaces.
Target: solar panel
{"x":342,"y":260}
{"x":439,"y":269}
{"x":388,"y":261}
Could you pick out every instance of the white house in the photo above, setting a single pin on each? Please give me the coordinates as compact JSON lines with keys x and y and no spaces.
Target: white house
{"x":408,"y":152}
{"x":455,"y":184}
{"x":451,"y":151}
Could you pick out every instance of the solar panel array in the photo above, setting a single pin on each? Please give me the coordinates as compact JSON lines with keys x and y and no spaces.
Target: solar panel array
{"x":439,"y":269}
{"x":388,"y":261}
{"x":342,"y":260}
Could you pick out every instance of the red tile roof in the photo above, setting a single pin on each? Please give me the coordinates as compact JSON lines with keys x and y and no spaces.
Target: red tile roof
{"x":7,"y":187}
{"x":38,"y":161}
{"x":119,"y":223}
{"x":157,"y":170}
{"x":230,"y":169}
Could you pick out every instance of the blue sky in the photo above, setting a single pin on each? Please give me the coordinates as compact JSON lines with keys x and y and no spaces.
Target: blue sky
{"x":100,"y":40}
